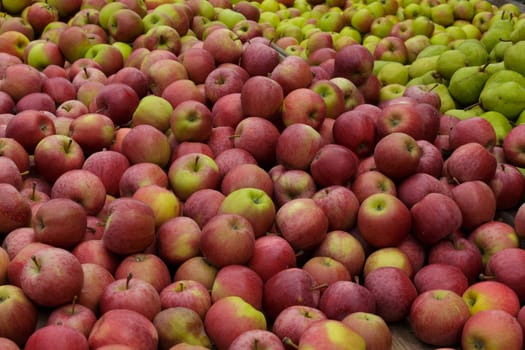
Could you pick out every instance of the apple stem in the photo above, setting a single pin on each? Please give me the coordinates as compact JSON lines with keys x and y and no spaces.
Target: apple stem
{"x":128,"y":279}
{"x":356,"y":279}
{"x":280,"y":51}
{"x":289,"y":342}
{"x":299,"y":253}
{"x":320,"y":286}
{"x":24,"y":173}
{"x":74,"y":304}
{"x":68,"y":146}
{"x":196,"y":164}
{"x":433,"y":87}
{"x":33,"y":190}
{"x":90,"y":229}
{"x":484,"y":277}
{"x":33,"y":258}
{"x":482,"y":69}
{"x":84,"y":69}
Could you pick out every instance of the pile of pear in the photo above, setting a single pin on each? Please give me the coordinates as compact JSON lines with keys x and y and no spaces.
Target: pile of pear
{"x":482,"y":76}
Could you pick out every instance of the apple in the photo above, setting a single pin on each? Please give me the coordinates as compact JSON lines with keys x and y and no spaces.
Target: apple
{"x":198,"y":63}
{"x":460,"y":252}
{"x":12,"y":149}
{"x":96,"y":278}
{"x":233,"y":228}
{"x":375,"y":211}
{"x":353,"y":62}
{"x":340,"y":205}
{"x":481,"y":296}
{"x":388,"y":256}
{"x":331,"y":334}
{"x":107,"y":56}
{"x":437,"y":317}
{"x":371,"y":327}
{"x":139,"y":175}
{"x":397,"y":155}
{"x":186,"y":293}
{"x":248,"y":135}
{"x":130,"y":226}
{"x":59,"y":88}
{"x":76,"y":316}
{"x":323,"y":168}
{"x":8,"y":344}
{"x":356,"y":131}
{"x":345,"y":297}
{"x":108,"y":102}
{"x":238,"y":280}
{"x":462,"y":133}
{"x":161,"y":71}
{"x":290,"y":138}
{"x":15,"y":304}
{"x":198,"y":269}
{"x":109,"y":166}
{"x":10,"y":173}
{"x":51,"y":336}
{"x":182,"y":90}
{"x":492,"y":237}
{"x":147,"y":266}
{"x":15,"y":211}
{"x":45,"y":270}
{"x":261,"y":97}
{"x":292,"y":73}
{"x":132,"y":329}
{"x":392,"y":305}
{"x":191,"y":121}
{"x":259,"y":59}
{"x":497,"y":269}
{"x":371,"y":182}
{"x":180,"y":325}
{"x":224,"y":333}
{"x":29,"y":127}
{"x":441,"y":276}
{"x":508,"y":186}
{"x":481,"y":164}
{"x":483,"y":327}
{"x":246,"y":175}
{"x":93,"y":251}
{"x":131,"y":294}
{"x":467,"y":192}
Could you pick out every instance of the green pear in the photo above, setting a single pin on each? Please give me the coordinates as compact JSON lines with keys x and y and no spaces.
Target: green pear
{"x":521,"y":118}
{"x":505,"y":75}
{"x":431,"y":77}
{"x":497,"y":53}
{"x":466,"y":84}
{"x":393,"y":73}
{"x":464,"y":113}
{"x":505,"y":98}
{"x":422,"y":65}
{"x":449,"y":62}
{"x":518,"y":33}
{"x":447,"y":102}
{"x":493,"y":36}
{"x":495,"y":67}
{"x":433,"y":50}
{"x":476,"y":52}
{"x":514,"y":57}
{"x":502,"y":20}
{"x":500,"y":123}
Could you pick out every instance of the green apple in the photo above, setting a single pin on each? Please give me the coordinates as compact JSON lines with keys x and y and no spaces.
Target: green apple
{"x":124,"y":48}
{"x":393,"y":73}
{"x":269,"y":5}
{"x":15,"y":7}
{"x":333,"y":21}
{"x":230,"y":17}
{"x":381,"y":26}
{"x":391,"y":91}
{"x":270,"y":17}
{"x":108,"y":10}
{"x":422,"y":25}
{"x":153,"y":110}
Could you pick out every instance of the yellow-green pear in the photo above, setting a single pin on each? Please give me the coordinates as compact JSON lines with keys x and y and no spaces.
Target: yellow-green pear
{"x":422,"y":65}
{"x":477,"y":54}
{"x":433,"y":50}
{"x":450,"y":61}
{"x":506,"y":98}
{"x":447,"y":102}
{"x":466,"y":84}
{"x":514,"y":57}
{"x":500,"y":123}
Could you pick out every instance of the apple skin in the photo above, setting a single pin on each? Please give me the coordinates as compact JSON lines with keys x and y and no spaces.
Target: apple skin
{"x":15,"y":211}
{"x":370,"y":182}
{"x":202,"y":205}
{"x":241,"y":315}
{"x":345,"y":297}
{"x":8,"y":344}
{"x":295,"y":216}
{"x":132,"y":329}
{"x":265,"y":248}
{"x":393,"y":305}
{"x":12,"y":149}
{"x":238,"y":280}
{"x":469,"y":162}
{"x":47,"y":269}
{"x":286,"y":287}
{"x":356,"y":131}
{"x":51,"y":336}
{"x":178,"y":239}
{"x":291,"y":137}
{"x":415,"y":187}
{"x":492,"y":237}
{"x":354,"y":62}
{"x":441,"y":276}
{"x":76,"y":316}
{"x":64,"y":152}
{"x":446,"y":218}
{"x":495,"y":329}
{"x":131,"y":294}
{"x":401,"y":117}
{"x":93,"y":131}
{"x":323,"y":168}
{"x":186,"y":293}
{"x":257,"y":337}
{"x":20,"y":80}
{"x":303,"y":105}
{"x":330,"y":334}
{"x":291,"y":322}
{"x":93,"y":251}
{"x":139,"y":175}
{"x":292,"y":73}
{"x":259,"y":59}
{"x":96,"y":278}
{"x":489,"y":295}
{"x":148,"y":267}
{"x":339,"y":204}
{"x":437,"y":317}
{"x":374,"y":213}
{"x":501,"y":267}
{"x":463,"y":132}
{"x":232,"y":228}
{"x":29,"y":127}
{"x":465,"y":193}
{"x":108,"y":102}
{"x":511,"y":146}
{"x":248,"y":135}
{"x":397,"y":155}
{"x":180,"y":325}
{"x":17,"y":304}
{"x":460,"y":252}
{"x":130,"y":227}
{"x":109,"y":166}
{"x":261,"y":97}
{"x":60,"y":222}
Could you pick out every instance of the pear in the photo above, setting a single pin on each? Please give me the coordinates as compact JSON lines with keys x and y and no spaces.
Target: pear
{"x":505,"y":98}
{"x":447,"y":102}
{"x":498,"y":52}
{"x":518,"y":33}
{"x":505,"y":75}
{"x":422,"y":65}
{"x":514,"y":57}
{"x":466,"y":84}
{"x":493,"y":36}
{"x":476,"y":52}
{"x":433,"y":50}
{"x":461,"y":113}
{"x":503,"y":20}
{"x":494,"y":67}
{"x":449,"y":62}
{"x":500,"y":123}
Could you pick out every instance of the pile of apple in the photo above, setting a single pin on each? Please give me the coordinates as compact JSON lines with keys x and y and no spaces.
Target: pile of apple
{"x":209,"y":174}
